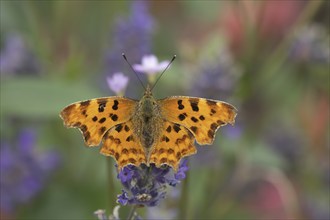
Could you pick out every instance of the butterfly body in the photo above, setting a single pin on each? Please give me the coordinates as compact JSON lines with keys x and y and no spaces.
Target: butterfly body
{"x":148,"y":131}
{"x":146,"y":121}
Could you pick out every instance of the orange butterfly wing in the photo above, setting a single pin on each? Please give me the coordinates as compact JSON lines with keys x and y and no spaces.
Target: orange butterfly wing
{"x":174,"y":143}
{"x":202,"y":117}
{"x":96,"y":116}
{"x":121,"y":143}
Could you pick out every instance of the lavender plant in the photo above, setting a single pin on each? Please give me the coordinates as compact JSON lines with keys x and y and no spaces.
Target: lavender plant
{"x":24,"y":172}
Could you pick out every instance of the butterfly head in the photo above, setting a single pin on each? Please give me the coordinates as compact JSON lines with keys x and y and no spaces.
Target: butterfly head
{"x":147,"y":92}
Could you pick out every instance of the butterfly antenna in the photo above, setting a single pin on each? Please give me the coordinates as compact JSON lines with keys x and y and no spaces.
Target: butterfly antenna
{"x":163,"y":72}
{"x":137,"y":75}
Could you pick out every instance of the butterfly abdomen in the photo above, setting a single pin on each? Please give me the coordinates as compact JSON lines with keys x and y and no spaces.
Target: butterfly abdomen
{"x":147,"y":123}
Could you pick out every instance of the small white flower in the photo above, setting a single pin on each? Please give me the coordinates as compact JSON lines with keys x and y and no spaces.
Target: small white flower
{"x":115,"y":213}
{"x":100,"y":214}
{"x":118,"y":82}
{"x":150,"y":65}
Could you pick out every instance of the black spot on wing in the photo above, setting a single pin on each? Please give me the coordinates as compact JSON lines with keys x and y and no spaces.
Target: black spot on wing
{"x":102,"y":130}
{"x":176,"y":128}
{"x":85,"y":103}
{"x":194,"y":119}
{"x":84,"y":113}
{"x":102,"y":103}
{"x":211,"y":103}
{"x":193,"y":128}
{"x":214,"y":126}
{"x":210,"y":134}
{"x":124,"y":151}
{"x":180,"y":106}
{"x":182,"y":117}
{"x":77,"y":124}
{"x":194,"y":104}
{"x":118,"y":128}
{"x":163,"y":160}
{"x":165,"y":138}
{"x":115,"y":105}
{"x":102,"y":120}
{"x":129,"y":138}
{"x":83,"y":128}
{"x":87,"y":136}
{"x":114,"y":117}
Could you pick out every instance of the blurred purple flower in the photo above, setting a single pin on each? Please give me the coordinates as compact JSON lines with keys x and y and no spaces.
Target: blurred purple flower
{"x":311,"y":44}
{"x":16,"y":58}
{"x":23,"y":172}
{"x":287,"y":143}
{"x":147,"y":185}
{"x":315,"y":208}
{"x":233,"y":132}
{"x":216,"y":79}
{"x":150,"y":65}
{"x":117,"y":82}
{"x":181,"y":174}
{"x":131,"y":36}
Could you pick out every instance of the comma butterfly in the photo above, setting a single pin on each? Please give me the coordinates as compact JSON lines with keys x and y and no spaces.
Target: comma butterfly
{"x":149,"y":130}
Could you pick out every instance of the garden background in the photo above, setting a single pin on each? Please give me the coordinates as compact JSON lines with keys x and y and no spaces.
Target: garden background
{"x":270,"y":59}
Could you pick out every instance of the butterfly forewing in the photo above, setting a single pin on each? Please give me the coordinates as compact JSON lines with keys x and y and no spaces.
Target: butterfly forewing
{"x":201,"y":116}
{"x":96,"y":116}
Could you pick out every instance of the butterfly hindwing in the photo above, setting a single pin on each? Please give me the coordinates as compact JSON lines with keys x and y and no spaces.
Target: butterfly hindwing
{"x":96,"y":116}
{"x":201,"y":116}
{"x":121,"y":143}
{"x":174,"y":143}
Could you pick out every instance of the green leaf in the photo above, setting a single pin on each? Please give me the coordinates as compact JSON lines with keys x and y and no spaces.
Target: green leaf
{"x":261,"y":155}
{"x":41,"y":98}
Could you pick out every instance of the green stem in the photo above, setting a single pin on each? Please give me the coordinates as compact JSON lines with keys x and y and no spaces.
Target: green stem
{"x":111,"y":184}
{"x":183,"y":204}
{"x":131,"y":213}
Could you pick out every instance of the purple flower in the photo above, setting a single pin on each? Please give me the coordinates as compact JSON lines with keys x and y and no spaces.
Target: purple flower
{"x":23,"y":172}
{"x":286,"y":142}
{"x":311,"y":44}
{"x":126,"y":174}
{"x":216,"y":78}
{"x":131,"y":36}
{"x":181,"y":174}
{"x":147,"y":185}
{"x":123,"y":198}
{"x":16,"y":58}
{"x":150,"y":65}
{"x":117,"y":83}
{"x":234,"y":132}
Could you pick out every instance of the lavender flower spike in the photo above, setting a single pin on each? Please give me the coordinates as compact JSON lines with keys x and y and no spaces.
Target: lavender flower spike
{"x":24,"y":171}
{"x":117,"y":83}
{"x":146,"y":186}
{"x":150,"y":65}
